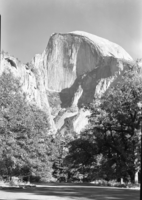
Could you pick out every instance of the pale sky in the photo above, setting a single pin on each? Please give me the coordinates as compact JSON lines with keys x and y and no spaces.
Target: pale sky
{"x":28,"y":24}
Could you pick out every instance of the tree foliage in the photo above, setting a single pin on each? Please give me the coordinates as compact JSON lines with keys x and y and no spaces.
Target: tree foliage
{"x":110,"y":147}
{"x":61,"y":169}
{"x":24,"y":140}
{"x":115,"y":121}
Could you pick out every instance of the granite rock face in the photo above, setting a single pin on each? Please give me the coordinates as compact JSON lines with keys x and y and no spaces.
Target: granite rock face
{"x":75,"y":68}
{"x":31,"y":80}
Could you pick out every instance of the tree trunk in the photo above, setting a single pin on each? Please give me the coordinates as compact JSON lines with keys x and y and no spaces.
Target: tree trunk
{"x":122,"y":182}
{"x":136,"y":179}
{"x":28,"y":179}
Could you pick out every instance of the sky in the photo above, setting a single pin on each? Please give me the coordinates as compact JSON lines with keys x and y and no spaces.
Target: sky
{"x":26,"y":25}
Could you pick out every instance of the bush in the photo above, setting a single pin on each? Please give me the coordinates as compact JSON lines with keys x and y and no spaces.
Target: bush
{"x":35,"y":179}
{"x":111,"y":183}
{"x":114,"y":183}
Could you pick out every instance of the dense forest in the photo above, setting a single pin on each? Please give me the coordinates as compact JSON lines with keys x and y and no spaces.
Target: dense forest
{"x":109,"y":148}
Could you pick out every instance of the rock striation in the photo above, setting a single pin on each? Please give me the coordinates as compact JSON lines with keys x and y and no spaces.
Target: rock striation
{"x":74,"y":69}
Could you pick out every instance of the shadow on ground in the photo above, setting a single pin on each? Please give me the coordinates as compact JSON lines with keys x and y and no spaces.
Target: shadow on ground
{"x":74,"y":191}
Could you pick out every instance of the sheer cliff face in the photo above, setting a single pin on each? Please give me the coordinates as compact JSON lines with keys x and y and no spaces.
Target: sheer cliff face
{"x":32,"y":82}
{"x":74,"y":68}
{"x":82,"y":60}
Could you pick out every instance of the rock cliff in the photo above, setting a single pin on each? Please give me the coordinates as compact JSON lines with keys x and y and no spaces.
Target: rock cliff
{"x":75,"y":68}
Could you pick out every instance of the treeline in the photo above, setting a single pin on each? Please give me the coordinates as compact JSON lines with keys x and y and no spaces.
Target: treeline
{"x":26,"y":149}
{"x":109,"y":148}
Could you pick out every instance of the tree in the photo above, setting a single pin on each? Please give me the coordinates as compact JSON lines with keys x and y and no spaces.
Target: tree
{"x":115,"y":121}
{"x":24,"y":140}
{"x":61,"y":169}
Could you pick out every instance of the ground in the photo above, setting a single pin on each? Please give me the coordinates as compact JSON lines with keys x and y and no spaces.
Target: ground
{"x":69,"y":192}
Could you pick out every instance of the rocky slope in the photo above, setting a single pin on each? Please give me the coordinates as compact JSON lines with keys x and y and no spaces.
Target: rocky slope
{"x":75,"y":68}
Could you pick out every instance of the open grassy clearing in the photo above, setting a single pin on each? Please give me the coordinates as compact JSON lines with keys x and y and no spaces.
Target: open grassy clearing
{"x":68,"y":192}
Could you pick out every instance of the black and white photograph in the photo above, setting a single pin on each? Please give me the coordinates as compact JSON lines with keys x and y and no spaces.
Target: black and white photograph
{"x":70,"y":99}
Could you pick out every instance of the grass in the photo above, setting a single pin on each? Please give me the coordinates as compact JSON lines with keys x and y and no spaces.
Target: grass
{"x":69,"y":191}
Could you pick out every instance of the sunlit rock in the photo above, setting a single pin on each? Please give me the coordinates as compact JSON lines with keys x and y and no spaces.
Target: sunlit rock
{"x":74,"y":69}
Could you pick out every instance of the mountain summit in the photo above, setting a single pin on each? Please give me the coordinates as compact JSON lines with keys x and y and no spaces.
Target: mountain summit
{"x":74,"y":69}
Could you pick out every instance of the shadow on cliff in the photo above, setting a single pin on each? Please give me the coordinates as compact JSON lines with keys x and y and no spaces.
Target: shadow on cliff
{"x":87,"y":82}
{"x":105,"y":70}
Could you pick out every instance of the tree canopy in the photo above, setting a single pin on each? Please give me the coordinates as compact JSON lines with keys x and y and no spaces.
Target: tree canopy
{"x":24,"y":139}
{"x":116,"y":119}
{"x":110,"y":147}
